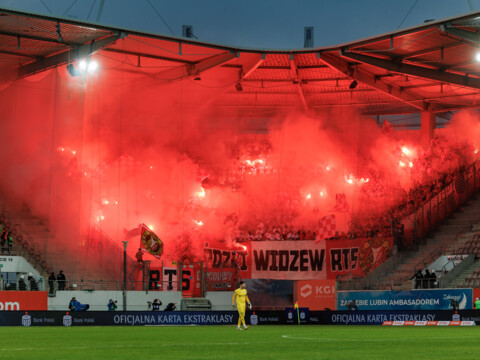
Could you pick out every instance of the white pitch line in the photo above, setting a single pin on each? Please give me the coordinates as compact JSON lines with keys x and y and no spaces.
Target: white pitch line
{"x":170,"y":344}
{"x":374,"y":340}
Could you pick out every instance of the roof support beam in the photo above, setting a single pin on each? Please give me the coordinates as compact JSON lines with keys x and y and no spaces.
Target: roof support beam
{"x":464,"y":35}
{"x":65,"y":57}
{"x":426,"y":73}
{"x":370,"y":80}
{"x":292,"y":93}
{"x":252,"y":65}
{"x":134,"y":53}
{"x":8,"y":52}
{"x":188,"y":70}
{"x":463,"y":64}
{"x":33,"y":37}
{"x":297,"y":81}
{"x":303,"y":81}
{"x":429,"y":51}
{"x":455,"y":108}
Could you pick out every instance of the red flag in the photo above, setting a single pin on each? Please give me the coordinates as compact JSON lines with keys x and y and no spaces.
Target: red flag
{"x":326,"y":228}
{"x":133,"y":232}
{"x":387,"y":127}
{"x":341,"y":205}
{"x":150,"y":242}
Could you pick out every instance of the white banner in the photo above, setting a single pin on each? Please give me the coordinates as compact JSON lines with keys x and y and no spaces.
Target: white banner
{"x":289,"y":260}
{"x":17,"y":264}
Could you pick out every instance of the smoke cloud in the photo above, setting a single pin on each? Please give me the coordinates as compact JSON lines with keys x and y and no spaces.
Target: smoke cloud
{"x":118,"y":150}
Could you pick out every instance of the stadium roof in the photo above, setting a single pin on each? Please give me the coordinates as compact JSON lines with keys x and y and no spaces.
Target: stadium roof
{"x":432,"y":66}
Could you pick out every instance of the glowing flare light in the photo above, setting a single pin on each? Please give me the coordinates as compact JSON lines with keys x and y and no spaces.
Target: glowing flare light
{"x":352,"y":180}
{"x":405,"y":150}
{"x":201,"y":193}
{"x":254,"y":162}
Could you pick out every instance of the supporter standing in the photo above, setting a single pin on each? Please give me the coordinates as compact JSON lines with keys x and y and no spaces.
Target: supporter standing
{"x":32,"y":282}
{"x":139,"y":256}
{"x":477,"y":303}
{"x":61,"y":280}
{"x":22,"y":286}
{"x":433,"y":279}
{"x":3,"y":239}
{"x":418,"y":279}
{"x":9,"y":242}
{"x":454,"y":304}
{"x":51,"y":283}
{"x":426,"y":279}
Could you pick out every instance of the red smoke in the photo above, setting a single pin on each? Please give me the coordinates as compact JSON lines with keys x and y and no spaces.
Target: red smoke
{"x":122,"y":149}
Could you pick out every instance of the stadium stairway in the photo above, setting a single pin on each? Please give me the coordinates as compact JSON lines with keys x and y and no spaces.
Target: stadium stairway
{"x":29,"y":236}
{"x":462,"y":281}
{"x":451,"y":235}
{"x":468,"y":244}
{"x":34,"y":240}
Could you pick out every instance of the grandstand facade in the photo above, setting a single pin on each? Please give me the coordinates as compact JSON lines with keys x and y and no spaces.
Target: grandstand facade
{"x":220,"y":163}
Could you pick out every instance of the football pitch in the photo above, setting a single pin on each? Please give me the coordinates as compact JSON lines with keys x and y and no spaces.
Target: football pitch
{"x":225,"y":342}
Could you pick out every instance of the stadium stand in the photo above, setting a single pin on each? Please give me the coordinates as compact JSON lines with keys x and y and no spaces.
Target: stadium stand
{"x":23,"y":244}
{"x":31,"y":237}
{"x":450,"y":237}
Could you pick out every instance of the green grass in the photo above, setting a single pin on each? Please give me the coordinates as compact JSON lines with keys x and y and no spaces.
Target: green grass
{"x":224,"y":342}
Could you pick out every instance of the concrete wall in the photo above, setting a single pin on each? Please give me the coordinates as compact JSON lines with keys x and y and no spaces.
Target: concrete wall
{"x":136,"y":300}
{"x":221,"y":300}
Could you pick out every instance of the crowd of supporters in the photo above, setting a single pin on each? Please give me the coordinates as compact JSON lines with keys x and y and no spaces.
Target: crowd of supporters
{"x":274,"y":232}
{"x":441,"y":165}
{"x":425,"y":279}
{"x":382,"y":201}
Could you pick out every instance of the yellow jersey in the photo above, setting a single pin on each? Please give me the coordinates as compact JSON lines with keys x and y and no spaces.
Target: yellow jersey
{"x":241,"y":296}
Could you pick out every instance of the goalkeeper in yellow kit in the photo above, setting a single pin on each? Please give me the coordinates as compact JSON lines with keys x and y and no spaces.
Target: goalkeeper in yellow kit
{"x":241,"y":296}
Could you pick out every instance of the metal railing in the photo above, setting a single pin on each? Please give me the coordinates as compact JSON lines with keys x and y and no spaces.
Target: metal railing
{"x":437,"y":208}
{"x":24,"y":244}
{"x":9,"y":285}
{"x":453,"y":262}
{"x":427,"y":260}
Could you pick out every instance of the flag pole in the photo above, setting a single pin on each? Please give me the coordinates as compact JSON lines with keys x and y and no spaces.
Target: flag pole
{"x":298,"y":312}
